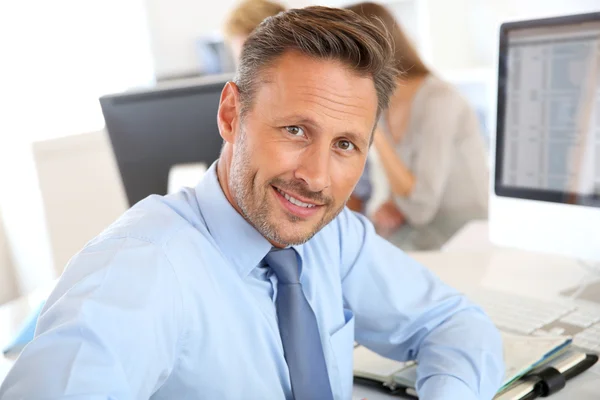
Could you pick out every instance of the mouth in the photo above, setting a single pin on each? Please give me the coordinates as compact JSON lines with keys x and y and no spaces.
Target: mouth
{"x":299,"y":208}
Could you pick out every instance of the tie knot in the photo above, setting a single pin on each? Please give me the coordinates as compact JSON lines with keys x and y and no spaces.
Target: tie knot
{"x":284,"y":263}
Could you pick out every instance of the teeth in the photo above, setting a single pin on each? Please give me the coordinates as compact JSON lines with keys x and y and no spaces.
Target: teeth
{"x":295,"y":201}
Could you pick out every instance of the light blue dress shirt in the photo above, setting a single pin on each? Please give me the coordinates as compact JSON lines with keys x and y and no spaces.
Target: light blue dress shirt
{"x":171,"y":302}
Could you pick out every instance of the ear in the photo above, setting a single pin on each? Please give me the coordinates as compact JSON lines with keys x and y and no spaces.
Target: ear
{"x":229,"y":109}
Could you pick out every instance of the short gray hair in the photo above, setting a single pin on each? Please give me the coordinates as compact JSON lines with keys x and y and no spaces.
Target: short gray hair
{"x":324,"y":33}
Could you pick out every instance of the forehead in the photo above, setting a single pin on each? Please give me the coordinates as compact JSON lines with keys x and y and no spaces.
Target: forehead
{"x":324,"y":90}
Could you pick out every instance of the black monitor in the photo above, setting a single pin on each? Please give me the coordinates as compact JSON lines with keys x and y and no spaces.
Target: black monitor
{"x":548,"y":119}
{"x":546,"y":195}
{"x":153,"y":130}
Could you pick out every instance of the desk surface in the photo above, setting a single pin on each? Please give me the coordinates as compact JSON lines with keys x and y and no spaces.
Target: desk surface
{"x":469,"y":259}
{"x":459,"y":264}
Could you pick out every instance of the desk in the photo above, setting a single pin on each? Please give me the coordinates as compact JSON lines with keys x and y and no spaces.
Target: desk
{"x":474,"y":236}
{"x":468,"y":259}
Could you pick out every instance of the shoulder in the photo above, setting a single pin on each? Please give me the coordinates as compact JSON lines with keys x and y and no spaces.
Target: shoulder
{"x":138,"y":239}
{"x":156,"y":219}
{"x":135,"y":248}
{"x":439,"y":109}
{"x":146,"y":235}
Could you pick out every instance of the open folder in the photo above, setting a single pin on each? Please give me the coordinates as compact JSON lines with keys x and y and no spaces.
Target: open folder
{"x":534,"y":366}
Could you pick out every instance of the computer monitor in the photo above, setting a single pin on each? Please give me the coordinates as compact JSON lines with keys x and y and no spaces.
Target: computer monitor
{"x":153,"y":130}
{"x":546,"y":189}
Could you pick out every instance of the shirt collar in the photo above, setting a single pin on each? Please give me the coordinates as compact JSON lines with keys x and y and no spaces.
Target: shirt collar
{"x":235,"y":237}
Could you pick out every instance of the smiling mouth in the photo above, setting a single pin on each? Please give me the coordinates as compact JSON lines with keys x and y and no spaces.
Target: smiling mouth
{"x":294,"y":200}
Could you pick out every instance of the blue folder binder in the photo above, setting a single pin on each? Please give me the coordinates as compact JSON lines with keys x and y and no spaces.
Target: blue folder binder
{"x":25,"y":334}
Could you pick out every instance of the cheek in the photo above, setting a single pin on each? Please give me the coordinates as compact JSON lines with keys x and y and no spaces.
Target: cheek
{"x":275,"y":159}
{"x":344,"y":177}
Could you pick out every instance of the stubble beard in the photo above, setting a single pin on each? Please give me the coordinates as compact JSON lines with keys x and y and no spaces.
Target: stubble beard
{"x":255,"y":207}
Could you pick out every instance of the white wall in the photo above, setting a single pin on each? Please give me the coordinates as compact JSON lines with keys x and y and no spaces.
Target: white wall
{"x":8,"y":285}
{"x":174,"y":27}
{"x":463,"y":33}
{"x":56,"y":62}
{"x":176,"y":24}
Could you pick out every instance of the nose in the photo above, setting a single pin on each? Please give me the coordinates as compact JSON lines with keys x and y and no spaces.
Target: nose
{"x":313,"y":167}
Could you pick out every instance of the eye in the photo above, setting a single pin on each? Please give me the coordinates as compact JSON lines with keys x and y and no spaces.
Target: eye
{"x":345,"y":145}
{"x":295,"y":130}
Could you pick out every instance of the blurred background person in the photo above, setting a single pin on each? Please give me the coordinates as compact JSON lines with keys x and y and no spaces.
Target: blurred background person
{"x":430,"y":149}
{"x":246,"y":16}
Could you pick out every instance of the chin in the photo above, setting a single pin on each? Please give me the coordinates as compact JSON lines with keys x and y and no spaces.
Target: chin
{"x":289,"y":234}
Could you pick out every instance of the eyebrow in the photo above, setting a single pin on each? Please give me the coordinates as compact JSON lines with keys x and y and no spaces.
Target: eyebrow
{"x":309,"y":122}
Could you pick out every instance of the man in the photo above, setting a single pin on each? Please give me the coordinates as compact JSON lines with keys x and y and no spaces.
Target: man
{"x":244,"y":18}
{"x":255,"y":284}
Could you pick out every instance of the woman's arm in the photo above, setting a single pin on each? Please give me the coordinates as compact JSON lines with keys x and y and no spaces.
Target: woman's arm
{"x":399,"y":176}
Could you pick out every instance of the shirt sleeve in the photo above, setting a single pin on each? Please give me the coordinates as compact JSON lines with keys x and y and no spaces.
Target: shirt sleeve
{"x":109,"y":330}
{"x":404,"y":312}
{"x":432,"y":157}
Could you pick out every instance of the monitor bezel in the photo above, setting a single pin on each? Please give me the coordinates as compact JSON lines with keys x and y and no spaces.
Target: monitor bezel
{"x":518,"y":192}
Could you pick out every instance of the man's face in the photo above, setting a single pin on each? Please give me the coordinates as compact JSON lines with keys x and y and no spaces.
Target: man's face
{"x":302,"y":146}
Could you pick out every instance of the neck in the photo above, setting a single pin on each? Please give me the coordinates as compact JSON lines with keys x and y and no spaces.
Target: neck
{"x":223,"y":168}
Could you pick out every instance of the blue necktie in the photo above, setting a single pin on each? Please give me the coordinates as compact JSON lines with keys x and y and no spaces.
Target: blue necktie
{"x":298,"y":329}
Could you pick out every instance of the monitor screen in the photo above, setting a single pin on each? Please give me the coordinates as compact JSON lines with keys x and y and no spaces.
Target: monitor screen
{"x":154,"y":130}
{"x":548,"y":129}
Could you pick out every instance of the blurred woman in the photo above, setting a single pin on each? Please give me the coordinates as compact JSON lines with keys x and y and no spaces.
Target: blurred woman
{"x":430,"y":147}
{"x":244,"y":18}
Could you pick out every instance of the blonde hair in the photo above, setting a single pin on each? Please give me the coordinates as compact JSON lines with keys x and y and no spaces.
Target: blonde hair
{"x":248,"y":14}
{"x":407,"y":58}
